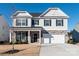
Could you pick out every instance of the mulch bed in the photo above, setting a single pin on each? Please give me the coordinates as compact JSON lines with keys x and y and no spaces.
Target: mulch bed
{"x":11,"y":51}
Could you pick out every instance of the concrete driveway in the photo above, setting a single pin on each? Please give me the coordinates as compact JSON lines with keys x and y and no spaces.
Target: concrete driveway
{"x":59,"y":50}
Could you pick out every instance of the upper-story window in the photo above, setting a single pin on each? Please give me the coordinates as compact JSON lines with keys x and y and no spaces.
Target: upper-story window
{"x":36,"y":22}
{"x":21,"y":22}
{"x":24,"y":22}
{"x":18,"y":22}
{"x":47,"y":22}
{"x":59,"y":22}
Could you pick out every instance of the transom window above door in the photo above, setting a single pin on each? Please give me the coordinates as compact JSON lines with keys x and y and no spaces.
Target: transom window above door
{"x":21,"y":22}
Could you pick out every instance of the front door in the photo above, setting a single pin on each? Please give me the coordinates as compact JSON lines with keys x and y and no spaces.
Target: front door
{"x":34,"y":37}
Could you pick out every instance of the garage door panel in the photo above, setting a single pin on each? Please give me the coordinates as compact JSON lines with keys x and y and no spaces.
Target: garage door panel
{"x":54,"y":38}
{"x":58,"y":39}
{"x":46,"y":40}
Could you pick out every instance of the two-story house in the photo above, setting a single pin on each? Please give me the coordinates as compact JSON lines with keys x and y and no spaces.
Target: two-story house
{"x":47,"y":27}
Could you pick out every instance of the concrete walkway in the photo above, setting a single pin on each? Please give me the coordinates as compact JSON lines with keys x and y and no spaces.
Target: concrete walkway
{"x":59,"y":50}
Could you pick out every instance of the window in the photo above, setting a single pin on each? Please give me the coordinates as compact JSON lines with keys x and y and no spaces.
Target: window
{"x":24,"y":22}
{"x":59,"y":22}
{"x":21,"y":22}
{"x":18,"y":22}
{"x":36,"y":22}
{"x":47,"y":22}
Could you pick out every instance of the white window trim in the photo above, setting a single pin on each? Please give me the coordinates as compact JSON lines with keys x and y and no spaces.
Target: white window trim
{"x":61,"y":25}
{"x":50,"y":23}
{"x":36,"y":24}
{"x":22,"y":22}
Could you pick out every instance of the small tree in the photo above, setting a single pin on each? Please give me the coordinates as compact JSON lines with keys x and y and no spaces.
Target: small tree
{"x":13,"y":43}
{"x":13,"y":9}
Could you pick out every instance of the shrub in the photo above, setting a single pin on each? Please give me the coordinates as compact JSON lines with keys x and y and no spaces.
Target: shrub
{"x":70,"y":41}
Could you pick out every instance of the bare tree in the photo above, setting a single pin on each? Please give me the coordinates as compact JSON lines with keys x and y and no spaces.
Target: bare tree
{"x":13,"y":9}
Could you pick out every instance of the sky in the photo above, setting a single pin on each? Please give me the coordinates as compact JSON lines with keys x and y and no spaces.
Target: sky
{"x":71,"y":9}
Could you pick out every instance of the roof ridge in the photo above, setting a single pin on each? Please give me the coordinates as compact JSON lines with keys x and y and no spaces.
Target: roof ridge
{"x":54,"y":8}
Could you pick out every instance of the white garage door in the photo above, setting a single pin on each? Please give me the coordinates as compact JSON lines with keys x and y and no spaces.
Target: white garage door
{"x":54,"y":38}
{"x":46,"y":38}
{"x":58,"y":39}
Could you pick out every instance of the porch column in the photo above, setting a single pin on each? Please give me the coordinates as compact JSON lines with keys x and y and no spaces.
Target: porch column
{"x":40,"y":36}
{"x":13,"y":37}
{"x":29,"y":39}
{"x":10,"y":36}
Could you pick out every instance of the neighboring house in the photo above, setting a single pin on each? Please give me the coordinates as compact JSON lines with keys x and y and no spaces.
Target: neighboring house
{"x":75,"y":33}
{"x":69,"y":35}
{"x":4,"y":29}
{"x":47,"y":27}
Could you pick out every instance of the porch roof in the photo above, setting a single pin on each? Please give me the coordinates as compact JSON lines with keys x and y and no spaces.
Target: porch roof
{"x":26,"y":28}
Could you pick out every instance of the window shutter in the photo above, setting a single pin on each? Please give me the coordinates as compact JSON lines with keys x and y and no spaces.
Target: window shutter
{"x":62,"y":22}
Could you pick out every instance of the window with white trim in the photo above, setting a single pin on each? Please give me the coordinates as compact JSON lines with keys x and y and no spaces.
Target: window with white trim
{"x":21,"y":22}
{"x":18,"y":22}
{"x":24,"y":22}
{"x":47,"y":22}
{"x":36,"y":22}
{"x":59,"y":22}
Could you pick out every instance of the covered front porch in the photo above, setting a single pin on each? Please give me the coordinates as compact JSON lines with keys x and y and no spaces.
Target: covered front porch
{"x":25,"y":35}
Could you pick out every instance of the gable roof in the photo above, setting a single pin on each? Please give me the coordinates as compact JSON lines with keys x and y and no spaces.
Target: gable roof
{"x":21,"y":13}
{"x":54,"y":12}
{"x":50,"y":12}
